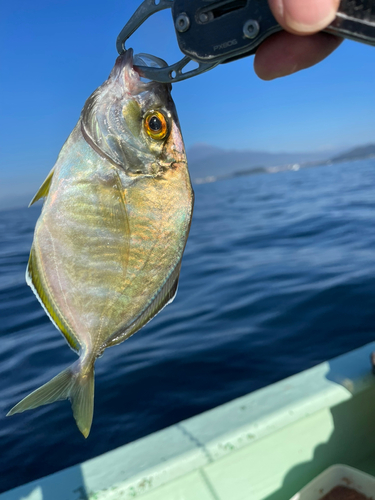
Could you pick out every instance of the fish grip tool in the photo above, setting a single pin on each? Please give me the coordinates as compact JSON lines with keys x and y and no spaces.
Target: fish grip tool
{"x":212,"y":32}
{"x":164,"y":74}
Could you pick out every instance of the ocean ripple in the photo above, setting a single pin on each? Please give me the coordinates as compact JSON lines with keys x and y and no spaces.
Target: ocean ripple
{"x":278,"y":275}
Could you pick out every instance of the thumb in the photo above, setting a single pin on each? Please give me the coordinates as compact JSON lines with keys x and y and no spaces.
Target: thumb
{"x":304,"y":17}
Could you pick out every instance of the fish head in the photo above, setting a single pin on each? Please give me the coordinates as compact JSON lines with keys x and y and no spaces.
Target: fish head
{"x":134,"y":123}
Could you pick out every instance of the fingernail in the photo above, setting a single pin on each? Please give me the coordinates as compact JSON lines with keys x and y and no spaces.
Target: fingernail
{"x":308,"y":16}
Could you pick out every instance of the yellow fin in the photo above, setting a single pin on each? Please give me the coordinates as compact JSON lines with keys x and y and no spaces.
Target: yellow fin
{"x":44,"y":188}
{"x":34,"y":282}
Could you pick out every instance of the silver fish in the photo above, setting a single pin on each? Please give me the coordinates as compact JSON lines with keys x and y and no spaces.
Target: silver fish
{"x":108,"y":244}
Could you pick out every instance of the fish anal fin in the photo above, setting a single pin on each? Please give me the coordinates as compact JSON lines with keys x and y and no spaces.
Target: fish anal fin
{"x":165,"y":296}
{"x":44,"y":188}
{"x":34,"y":280}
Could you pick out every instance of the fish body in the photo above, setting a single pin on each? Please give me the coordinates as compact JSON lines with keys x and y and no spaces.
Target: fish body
{"x":107,"y":248}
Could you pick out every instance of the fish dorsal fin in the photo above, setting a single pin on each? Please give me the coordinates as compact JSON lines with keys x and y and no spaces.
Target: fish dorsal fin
{"x":33,"y":279}
{"x":44,"y":188}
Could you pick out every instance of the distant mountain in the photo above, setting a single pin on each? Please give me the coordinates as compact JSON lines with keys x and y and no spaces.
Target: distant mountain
{"x":358,"y":153}
{"x":201,"y":150}
{"x":209,"y":161}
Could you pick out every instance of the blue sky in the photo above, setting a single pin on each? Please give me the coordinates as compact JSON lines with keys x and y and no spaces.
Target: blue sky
{"x":55,"y":53}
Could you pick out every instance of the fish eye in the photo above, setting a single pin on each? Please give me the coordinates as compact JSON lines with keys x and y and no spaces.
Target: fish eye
{"x":156,"y":125}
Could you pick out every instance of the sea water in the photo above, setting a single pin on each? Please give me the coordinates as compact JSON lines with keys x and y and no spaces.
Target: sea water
{"x":278,"y":275}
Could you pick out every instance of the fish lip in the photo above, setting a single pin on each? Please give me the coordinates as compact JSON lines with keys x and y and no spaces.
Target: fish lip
{"x":124,"y":68}
{"x":128,"y":75}
{"x":124,"y":60}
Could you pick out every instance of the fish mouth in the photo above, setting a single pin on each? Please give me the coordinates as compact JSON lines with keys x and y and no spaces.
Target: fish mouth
{"x":123,"y":61}
{"x":129,"y":75}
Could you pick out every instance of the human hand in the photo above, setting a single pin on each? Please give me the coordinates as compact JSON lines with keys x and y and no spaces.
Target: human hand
{"x":300,"y":46}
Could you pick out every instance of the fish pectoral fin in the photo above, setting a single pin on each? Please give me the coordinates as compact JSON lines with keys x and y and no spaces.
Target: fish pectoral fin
{"x":44,"y":188}
{"x":75,"y":383}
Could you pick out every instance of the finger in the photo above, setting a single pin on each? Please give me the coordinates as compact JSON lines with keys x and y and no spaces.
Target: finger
{"x":283,"y":53}
{"x":304,"y":16}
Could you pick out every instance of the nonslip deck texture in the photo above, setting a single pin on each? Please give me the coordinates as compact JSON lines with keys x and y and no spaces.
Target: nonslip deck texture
{"x":263,"y":446}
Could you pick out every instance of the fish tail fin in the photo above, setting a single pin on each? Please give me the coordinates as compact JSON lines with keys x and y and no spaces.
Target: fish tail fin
{"x":82,"y":398}
{"x":75,"y":383}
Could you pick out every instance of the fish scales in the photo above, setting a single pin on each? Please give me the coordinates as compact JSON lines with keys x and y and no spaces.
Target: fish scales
{"x":107,"y":247}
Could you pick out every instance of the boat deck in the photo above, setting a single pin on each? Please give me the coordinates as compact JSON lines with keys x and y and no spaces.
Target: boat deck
{"x":263,"y":446}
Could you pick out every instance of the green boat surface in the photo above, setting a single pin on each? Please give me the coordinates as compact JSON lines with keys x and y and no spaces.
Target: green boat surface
{"x":263,"y":446}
